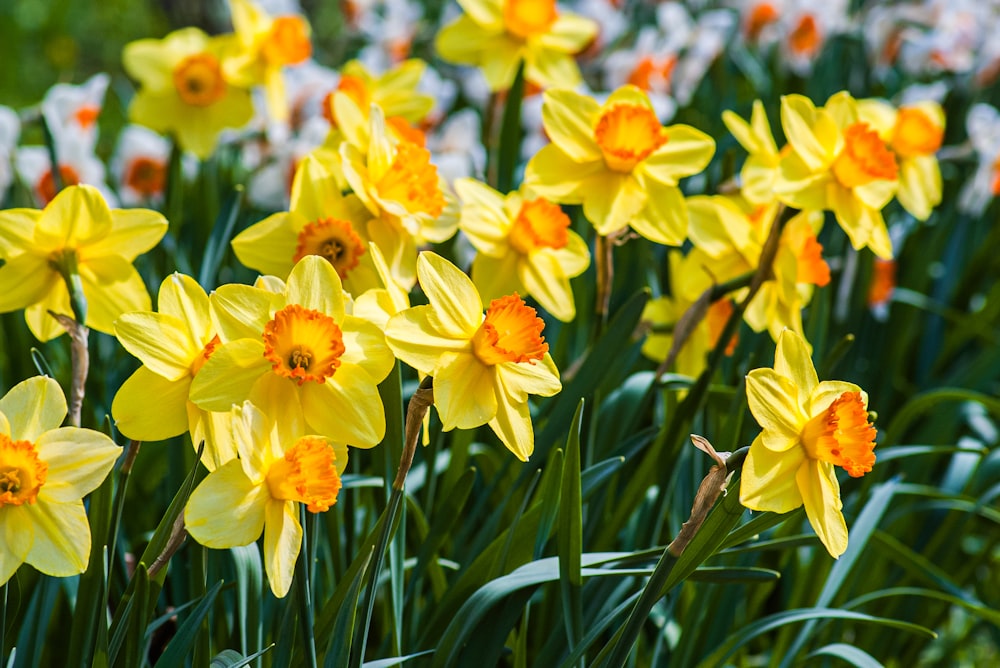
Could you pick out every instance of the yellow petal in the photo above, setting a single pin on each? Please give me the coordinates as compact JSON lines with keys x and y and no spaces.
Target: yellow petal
{"x":792,"y":359}
{"x":742,"y":131}
{"x":512,"y":423}
{"x":463,"y":391}
{"x":314,"y":284}
{"x":570,"y":33}
{"x":182,"y":297}
{"x":268,"y":246}
{"x":497,"y":277}
{"x":160,"y":341}
{"x":762,"y":129}
{"x":17,"y":534}
{"x":148,"y":61}
{"x":664,"y":219}
{"x":17,"y":230}
{"x":414,"y":338}
{"x":346,"y":408}
{"x":767,"y":482}
{"x":112,"y":287}
{"x":487,"y":13}
{"x":499,"y":61}
{"x":315,"y":193}
{"x":365,"y":346}
{"x":553,"y":174}
{"x":252,"y":431}
{"x":242,"y":311}
{"x":821,"y":496}
{"x":27,"y":278}
{"x":456,"y":303}
{"x":842,"y":108}
{"x":226,"y":509}
{"x":826,"y":392}
{"x":801,"y":188}
{"x":133,"y":232}
{"x":62,"y":538}
{"x":687,"y":151}
{"x":78,"y":215}
{"x":880,"y":115}
{"x":33,"y":407}
{"x":877,"y":193}
{"x":148,"y":407}
{"x":798,"y":118}
{"x":282,"y":543}
{"x":550,"y":67}
{"x":569,"y":119}
{"x":612,"y":204}
{"x":40,"y":322}
{"x":229,"y":375}
{"x":460,"y":41}
{"x":773,"y":400}
{"x":546,"y":281}
{"x":78,"y":459}
{"x":919,"y":185}
{"x":539,"y":377}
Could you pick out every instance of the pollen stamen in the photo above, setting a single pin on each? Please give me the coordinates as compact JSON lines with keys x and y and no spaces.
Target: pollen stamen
{"x":199,"y":81}
{"x":511,"y":332}
{"x":303,"y":344}
{"x":334,"y":240}
{"x":22,"y":473}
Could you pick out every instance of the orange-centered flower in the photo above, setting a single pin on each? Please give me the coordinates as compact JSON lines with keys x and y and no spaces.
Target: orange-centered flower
{"x":763,"y":14}
{"x":413,"y":181}
{"x":303,"y":344}
{"x":805,"y":39}
{"x":87,"y":115}
{"x":811,"y":267}
{"x":22,"y":474}
{"x":842,"y":435}
{"x":146,"y":176}
{"x":915,"y":134}
{"x":539,"y":224}
{"x":306,"y":474}
{"x":627,"y":134}
{"x":206,"y":352}
{"x":199,"y":81}
{"x":527,"y":18}
{"x":649,"y":70}
{"x":288,"y":41}
{"x":865,"y":158}
{"x":334,"y":240}
{"x":511,"y":332}
{"x":46,"y":185}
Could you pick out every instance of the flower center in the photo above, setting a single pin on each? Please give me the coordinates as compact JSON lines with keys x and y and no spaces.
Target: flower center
{"x":716,"y":319}
{"x":199,"y":81}
{"x":627,"y":133}
{"x":46,"y":185}
{"x":146,"y":176}
{"x":334,"y":240}
{"x":306,"y":474}
{"x":842,"y":435}
{"x":527,"y":18}
{"x":287,"y":43}
{"x":865,"y":158}
{"x":539,"y":224}
{"x":412,"y":181}
{"x":303,"y":344}
{"x":511,"y":332}
{"x":763,"y":14}
{"x":403,"y":131}
{"x":22,"y":474}
{"x":650,"y":74}
{"x":805,"y":39}
{"x":883,"y":281}
{"x":915,"y":134}
{"x":86,"y":115}
{"x":202,"y":357}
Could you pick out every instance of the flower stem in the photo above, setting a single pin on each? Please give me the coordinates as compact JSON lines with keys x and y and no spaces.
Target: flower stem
{"x":604,"y":262}
{"x":415,"y":412}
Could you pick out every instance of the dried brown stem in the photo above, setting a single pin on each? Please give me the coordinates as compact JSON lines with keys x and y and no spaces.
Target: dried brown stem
{"x":420,"y":403}
{"x":80,"y":354}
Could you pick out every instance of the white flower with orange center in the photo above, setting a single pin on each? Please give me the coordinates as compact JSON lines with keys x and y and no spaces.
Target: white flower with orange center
{"x":496,"y":35}
{"x":183,"y":89}
{"x":524,"y":245}
{"x":72,"y":111}
{"x":45,"y":471}
{"x":298,"y":356}
{"x":264,"y":46}
{"x":484,"y":368}
{"x":408,"y":201}
{"x":809,"y":427}
{"x":278,"y":468}
{"x":173,"y":345}
{"x":914,"y":134}
{"x":619,"y":162}
{"x":140,"y":165}
{"x":838,"y":163}
{"x":320,"y":221}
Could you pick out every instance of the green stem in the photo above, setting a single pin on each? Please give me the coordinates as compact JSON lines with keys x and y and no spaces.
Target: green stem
{"x":305,"y":593}
{"x":123,"y":477}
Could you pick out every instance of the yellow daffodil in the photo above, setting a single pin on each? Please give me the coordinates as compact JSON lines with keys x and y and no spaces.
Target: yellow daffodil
{"x":408,"y":201}
{"x":496,"y":35}
{"x":483,"y":368}
{"x":618,"y":162}
{"x":914,"y":134}
{"x":524,"y":245}
{"x":298,"y":356}
{"x":75,"y":234}
{"x":808,"y":428}
{"x":761,"y":167}
{"x":45,"y":471}
{"x":260,"y":492}
{"x":183,"y":90}
{"x":173,"y":345}
{"x":838,"y":163}
{"x":320,"y":221}
{"x":265,"y":45}
{"x":379,"y":304}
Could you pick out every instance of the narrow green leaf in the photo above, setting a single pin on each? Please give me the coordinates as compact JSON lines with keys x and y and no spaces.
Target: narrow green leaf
{"x":510,"y":134}
{"x":849,"y":653}
{"x":339,"y":646}
{"x":730,"y":574}
{"x":222,"y":232}
{"x":549,"y":493}
{"x":249,"y":592}
{"x":181,"y":644}
{"x":389,"y":663}
{"x":570,"y":535}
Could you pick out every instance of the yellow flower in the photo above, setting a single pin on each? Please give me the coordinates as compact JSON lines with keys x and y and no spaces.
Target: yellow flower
{"x":808,"y":428}
{"x":266,"y":44}
{"x":75,"y":233}
{"x":379,"y":304}
{"x":298,"y":356}
{"x":838,"y":163}
{"x":183,"y":90}
{"x":914,"y":134}
{"x":618,"y":162}
{"x":173,"y":345}
{"x":496,"y":35}
{"x":320,"y":222}
{"x":408,"y":201}
{"x":524,"y":245}
{"x":761,"y":168}
{"x":45,"y":471}
{"x":261,"y":491}
{"x":483,"y":368}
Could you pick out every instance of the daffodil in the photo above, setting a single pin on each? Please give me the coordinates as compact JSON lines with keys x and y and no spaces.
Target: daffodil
{"x":809,"y":427}
{"x":409,"y":203}
{"x":913,"y":133}
{"x":378,"y":304}
{"x":320,"y":221}
{"x":76,"y":234}
{"x":264,"y":46}
{"x":45,"y":471}
{"x":619,"y":162}
{"x":524,"y":245}
{"x":298,"y":356}
{"x":183,"y":89}
{"x":260,"y":492}
{"x":838,"y":163}
{"x":173,"y":345}
{"x":761,"y":167}
{"x":483,"y":368}
{"x":496,"y":35}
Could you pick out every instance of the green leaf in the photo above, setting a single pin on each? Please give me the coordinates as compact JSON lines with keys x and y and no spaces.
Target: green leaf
{"x":730,"y":574}
{"x":222,"y":232}
{"x":923,"y":404}
{"x":849,"y":653}
{"x":389,"y":663}
{"x":510,"y":134}
{"x":549,"y":494}
{"x":339,"y":646}
{"x":181,"y":644}
{"x":232,"y":659}
{"x":570,"y":536}
{"x":249,"y":592}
